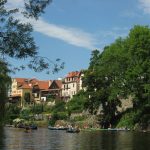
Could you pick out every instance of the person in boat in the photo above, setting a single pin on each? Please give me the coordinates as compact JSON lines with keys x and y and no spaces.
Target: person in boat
{"x":27,"y":129}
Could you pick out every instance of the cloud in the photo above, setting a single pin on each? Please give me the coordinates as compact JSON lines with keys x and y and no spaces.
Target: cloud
{"x":145,"y":5}
{"x":70,"y":35}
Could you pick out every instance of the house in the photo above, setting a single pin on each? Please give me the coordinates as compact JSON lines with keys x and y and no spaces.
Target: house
{"x":71,"y":84}
{"x":20,"y":86}
{"x":55,"y":89}
{"x":39,"y":89}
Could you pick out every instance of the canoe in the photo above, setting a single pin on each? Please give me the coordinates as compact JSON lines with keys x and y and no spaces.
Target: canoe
{"x":57,"y":128}
{"x":118,"y":129}
{"x":33,"y":127}
{"x":72,"y":130}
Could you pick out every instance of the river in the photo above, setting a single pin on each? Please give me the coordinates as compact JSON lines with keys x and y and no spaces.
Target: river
{"x":45,"y":139}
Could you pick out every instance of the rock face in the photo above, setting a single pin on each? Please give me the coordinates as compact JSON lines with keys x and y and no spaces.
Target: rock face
{"x":125,"y":104}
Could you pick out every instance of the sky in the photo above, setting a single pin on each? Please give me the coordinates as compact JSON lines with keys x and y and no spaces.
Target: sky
{"x":71,"y":29}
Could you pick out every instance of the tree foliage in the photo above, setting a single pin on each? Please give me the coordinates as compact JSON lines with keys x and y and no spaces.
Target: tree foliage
{"x":27,"y":97}
{"x":4,"y":84}
{"x":122,"y":69}
{"x":76,"y":104}
{"x":17,"y":42}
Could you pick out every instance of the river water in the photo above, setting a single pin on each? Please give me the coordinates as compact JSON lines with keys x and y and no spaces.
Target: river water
{"x":45,"y":139}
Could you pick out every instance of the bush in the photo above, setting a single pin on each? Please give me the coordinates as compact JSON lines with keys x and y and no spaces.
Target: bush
{"x":76,"y":104}
{"x":12,"y":112}
{"x":25,"y":114}
{"x":127,"y":120}
{"x":79,"y":118}
{"x":37,"y":108}
{"x":57,"y":116}
{"x":60,"y":106}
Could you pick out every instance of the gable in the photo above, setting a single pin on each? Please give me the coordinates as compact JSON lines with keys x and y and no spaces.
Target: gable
{"x":54,"y":85}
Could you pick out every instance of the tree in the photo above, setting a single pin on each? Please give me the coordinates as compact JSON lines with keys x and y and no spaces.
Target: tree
{"x":104,"y":80}
{"x":16,"y":41}
{"x":76,"y":104}
{"x":27,"y":97}
{"x":122,"y":69}
{"x":138,"y":72}
{"x":4,"y":84}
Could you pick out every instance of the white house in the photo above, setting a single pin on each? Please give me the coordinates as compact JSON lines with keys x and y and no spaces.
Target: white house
{"x":71,"y":84}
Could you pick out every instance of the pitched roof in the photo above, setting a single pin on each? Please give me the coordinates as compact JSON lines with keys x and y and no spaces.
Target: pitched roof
{"x":28,"y":83}
{"x":57,"y":82}
{"x":26,"y":86}
{"x":73,"y":74}
{"x":43,"y":85}
{"x":21,"y":80}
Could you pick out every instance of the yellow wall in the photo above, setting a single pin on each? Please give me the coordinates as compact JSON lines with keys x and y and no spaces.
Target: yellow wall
{"x":23,"y":91}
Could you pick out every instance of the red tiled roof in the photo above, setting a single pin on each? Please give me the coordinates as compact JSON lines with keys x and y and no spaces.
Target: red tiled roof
{"x":29,"y":83}
{"x":59,"y":83}
{"x":20,"y":80}
{"x":43,"y":84}
{"x":26,"y":86}
{"x":73,"y":74}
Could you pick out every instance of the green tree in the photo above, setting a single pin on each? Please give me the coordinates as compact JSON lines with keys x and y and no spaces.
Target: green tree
{"x":76,"y":104}
{"x":104,"y":80}
{"x":17,"y":42}
{"x":4,"y":84}
{"x":122,"y":69}
{"x":27,"y":97}
{"x":138,"y":72}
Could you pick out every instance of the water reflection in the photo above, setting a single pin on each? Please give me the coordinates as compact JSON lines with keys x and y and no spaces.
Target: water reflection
{"x":44,"y":139}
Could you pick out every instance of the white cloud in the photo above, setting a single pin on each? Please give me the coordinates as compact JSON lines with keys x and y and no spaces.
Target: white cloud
{"x":145,"y":5}
{"x":69,"y":35}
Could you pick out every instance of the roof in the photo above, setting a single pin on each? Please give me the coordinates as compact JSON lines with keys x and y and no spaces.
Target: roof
{"x":57,"y":82}
{"x":73,"y":74}
{"x":26,"y":86}
{"x":28,"y":83}
{"x":42,"y":84}
{"x":20,"y":80}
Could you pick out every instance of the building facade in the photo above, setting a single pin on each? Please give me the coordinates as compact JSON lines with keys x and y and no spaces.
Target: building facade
{"x":20,"y":86}
{"x":41,"y":91}
{"x":71,"y":84}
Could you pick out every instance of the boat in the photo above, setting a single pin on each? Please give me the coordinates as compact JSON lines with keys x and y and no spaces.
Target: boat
{"x":73,"y":130}
{"x":118,"y":129}
{"x":33,"y":127}
{"x":57,"y":128}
